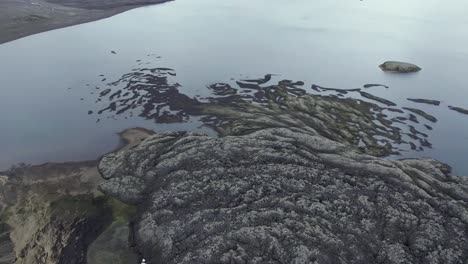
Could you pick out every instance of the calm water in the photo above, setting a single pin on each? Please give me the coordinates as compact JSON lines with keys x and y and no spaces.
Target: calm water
{"x":326,"y":42}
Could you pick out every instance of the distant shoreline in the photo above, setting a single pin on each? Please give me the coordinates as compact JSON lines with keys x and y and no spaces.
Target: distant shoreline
{"x":20,"y":19}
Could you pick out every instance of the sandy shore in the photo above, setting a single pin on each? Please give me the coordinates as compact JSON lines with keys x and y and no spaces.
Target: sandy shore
{"x":21,"y":18}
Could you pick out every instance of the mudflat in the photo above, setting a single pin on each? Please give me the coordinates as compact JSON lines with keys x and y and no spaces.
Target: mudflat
{"x":21,"y":18}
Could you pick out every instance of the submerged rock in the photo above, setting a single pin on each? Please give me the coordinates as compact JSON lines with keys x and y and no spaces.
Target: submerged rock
{"x":422,"y":113}
{"x":319,"y":88}
{"x":222,"y":89}
{"x":283,"y":196}
{"x":370,"y":85}
{"x":378,"y":99}
{"x":259,"y":81}
{"x":424,"y":101}
{"x":459,"y":110}
{"x":399,"y":67}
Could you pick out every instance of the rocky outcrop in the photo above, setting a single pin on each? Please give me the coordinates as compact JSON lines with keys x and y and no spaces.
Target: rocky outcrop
{"x":399,"y":67}
{"x":278,"y":195}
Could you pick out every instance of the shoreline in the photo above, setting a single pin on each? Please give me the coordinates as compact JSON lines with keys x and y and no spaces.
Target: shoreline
{"x":20,"y":19}
{"x":127,"y":139}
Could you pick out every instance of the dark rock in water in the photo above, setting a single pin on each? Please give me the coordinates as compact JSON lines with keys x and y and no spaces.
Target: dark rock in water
{"x":263,"y":80}
{"x":428,"y":127}
{"x":395,"y":110}
{"x":222,"y":89}
{"x":374,"y":85}
{"x":341,"y":91}
{"x":416,"y":132}
{"x":282,"y":196}
{"x":117,"y":95}
{"x":290,"y":83}
{"x":459,"y":110}
{"x":413,"y":118}
{"x":152,"y":91}
{"x":424,"y":101}
{"x":378,"y":99}
{"x":90,"y":112}
{"x":113,"y":52}
{"x":248,"y":85}
{"x":399,"y":67}
{"x":422,"y":113}
{"x":155,"y":95}
{"x":105,"y":92}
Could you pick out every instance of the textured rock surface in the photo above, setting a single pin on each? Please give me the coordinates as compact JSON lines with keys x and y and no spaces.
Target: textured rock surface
{"x":283,"y":196}
{"x":398,"y":66}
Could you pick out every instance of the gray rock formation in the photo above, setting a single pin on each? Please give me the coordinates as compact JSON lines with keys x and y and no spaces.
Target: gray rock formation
{"x":398,"y":66}
{"x":283,"y":196}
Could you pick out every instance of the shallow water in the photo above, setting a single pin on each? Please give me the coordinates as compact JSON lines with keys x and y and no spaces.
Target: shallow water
{"x":330,"y":43}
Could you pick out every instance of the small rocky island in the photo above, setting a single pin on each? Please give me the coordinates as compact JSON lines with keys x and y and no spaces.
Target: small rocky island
{"x":399,"y":67}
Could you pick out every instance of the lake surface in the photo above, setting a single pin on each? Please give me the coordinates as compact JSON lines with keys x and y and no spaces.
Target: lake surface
{"x":47,"y":80}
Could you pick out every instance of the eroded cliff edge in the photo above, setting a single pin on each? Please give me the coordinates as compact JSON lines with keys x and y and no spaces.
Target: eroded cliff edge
{"x":282,"y":196}
{"x":53,"y":213}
